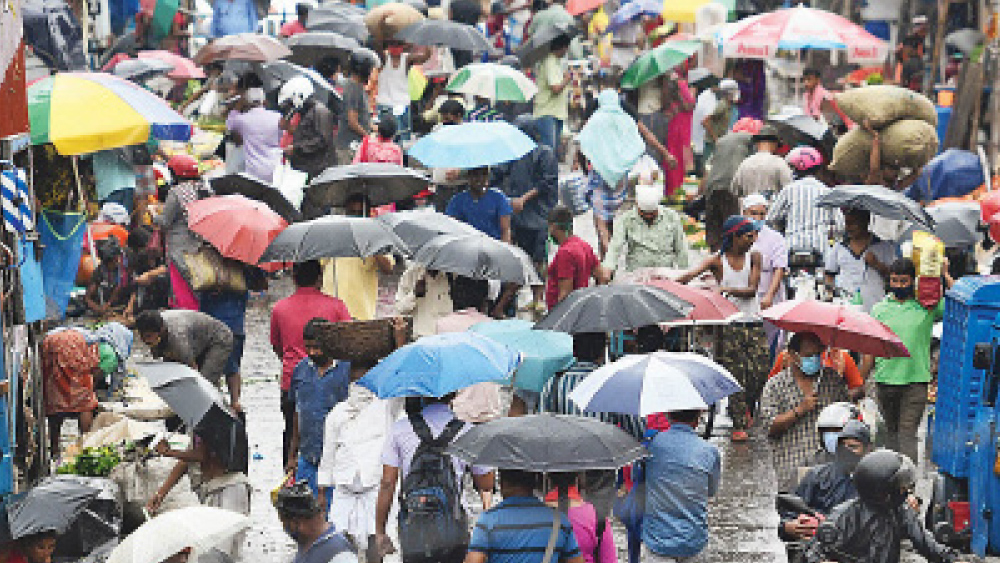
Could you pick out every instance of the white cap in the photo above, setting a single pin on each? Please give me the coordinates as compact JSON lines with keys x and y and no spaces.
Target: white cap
{"x":647,"y":198}
{"x":255,"y":95}
{"x":753,"y":200}
{"x":729,"y":84}
{"x":116,"y":213}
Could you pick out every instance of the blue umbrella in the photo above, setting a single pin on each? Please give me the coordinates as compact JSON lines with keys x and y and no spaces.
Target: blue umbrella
{"x":437,"y":365}
{"x":633,"y":10}
{"x":657,"y":382}
{"x":472,"y":145}
{"x":543,"y":352}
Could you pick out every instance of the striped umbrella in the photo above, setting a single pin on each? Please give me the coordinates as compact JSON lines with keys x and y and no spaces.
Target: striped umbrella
{"x":81,"y":112}
{"x":493,"y":81}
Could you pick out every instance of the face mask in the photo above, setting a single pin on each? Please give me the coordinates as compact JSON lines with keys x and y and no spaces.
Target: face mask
{"x":395,"y":51}
{"x":847,"y":459}
{"x":902,"y":293}
{"x":830,"y":440}
{"x":810,"y":365}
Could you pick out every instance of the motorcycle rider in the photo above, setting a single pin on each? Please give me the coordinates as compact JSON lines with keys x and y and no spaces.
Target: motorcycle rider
{"x":869,"y":528}
{"x":831,"y":422}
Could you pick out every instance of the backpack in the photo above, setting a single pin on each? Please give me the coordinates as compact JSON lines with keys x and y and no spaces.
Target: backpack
{"x":432,"y":521}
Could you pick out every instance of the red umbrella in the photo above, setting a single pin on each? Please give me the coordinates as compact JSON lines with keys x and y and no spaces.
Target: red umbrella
{"x":183,"y":66}
{"x":240,"y":228}
{"x":709,"y":306}
{"x":577,"y":7}
{"x":839,"y":326}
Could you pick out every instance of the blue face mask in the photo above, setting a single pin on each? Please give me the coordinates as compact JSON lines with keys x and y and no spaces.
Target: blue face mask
{"x":830,"y":441}
{"x":810,"y":365}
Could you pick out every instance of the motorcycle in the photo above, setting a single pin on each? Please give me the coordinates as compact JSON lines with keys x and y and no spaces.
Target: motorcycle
{"x":826,"y":535}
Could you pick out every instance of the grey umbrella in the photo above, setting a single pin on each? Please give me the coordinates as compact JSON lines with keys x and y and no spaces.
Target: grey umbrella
{"x":445,"y":33}
{"x":878,"y":200}
{"x":956,"y":223}
{"x":251,"y":187}
{"x":141,"y":69}
{"x":343,"y":21}
{"x":310,"y":47}
{"x":800,"y":129}
{"x":331,"y":237}
{"x":417,"y":227}
{"x":51,"y":506}
{"x":536,"y":47}
{"x":381,"y":182}
{"x":567,"y":444}
{"x":605,"y":308}
{"x":965,"y":40}
{"x":277,"y":73}
{"x":478,"y":257}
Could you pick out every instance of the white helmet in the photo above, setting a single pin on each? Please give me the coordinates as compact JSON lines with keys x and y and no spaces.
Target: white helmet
{"x":835,"y":415}
{"x":297,"y":90}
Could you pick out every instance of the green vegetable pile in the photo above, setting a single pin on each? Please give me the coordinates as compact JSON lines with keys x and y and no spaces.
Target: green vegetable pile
{"x":92,"y":462}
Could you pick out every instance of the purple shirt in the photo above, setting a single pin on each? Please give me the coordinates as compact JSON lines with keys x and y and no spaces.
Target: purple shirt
{"x":403,"y":441}
{"x":261,"y":136}
{"x":774,"y":254}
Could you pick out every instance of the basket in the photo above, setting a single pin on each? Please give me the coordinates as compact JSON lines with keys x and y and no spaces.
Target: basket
{"x":364,"y":342}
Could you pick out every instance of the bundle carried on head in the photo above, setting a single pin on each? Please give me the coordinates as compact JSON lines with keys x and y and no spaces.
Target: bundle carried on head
{"x":884,"y":105}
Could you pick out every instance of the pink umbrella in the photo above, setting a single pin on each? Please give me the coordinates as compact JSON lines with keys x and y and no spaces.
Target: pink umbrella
{"x":839,"y":326}
{"x":183,"y":67}
{"x":710,"y":307}
{"x":240,"y":228}
{"x":799,"y":28}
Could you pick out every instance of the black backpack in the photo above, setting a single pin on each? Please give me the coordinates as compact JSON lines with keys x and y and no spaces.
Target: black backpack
{"x":432,"y":521}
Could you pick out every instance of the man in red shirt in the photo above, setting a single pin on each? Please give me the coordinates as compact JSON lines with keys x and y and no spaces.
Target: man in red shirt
{"x":574,"y":263}
{"x":297,"y":26}
{"x":288,"y":317}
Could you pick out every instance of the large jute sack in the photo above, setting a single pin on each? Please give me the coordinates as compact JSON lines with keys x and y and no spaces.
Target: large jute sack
{"x":909,"y":143}
{"x":884,"y":104}
{"x":388,"y":19}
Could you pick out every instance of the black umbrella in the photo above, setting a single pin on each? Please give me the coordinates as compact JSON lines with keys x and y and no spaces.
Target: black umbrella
{"x":478,"y":257}
{"x":54,"y":34}
{"x":417,"y":227}
{"x":878,"y":200}
{"x":311,"y":47}
{"x":800,"y":129}
{"x":252,"y":188}
{"x":445,"y":33}
{"x":50,"y":506}
{"x":466,"y":11}
{"x":956,"y":223}
{"x":200,"y":405}
{"x":536,"y":47}
{"x":124,"y":44}
{"x":566,"y":444}
{"x":277,"y":73}
{"x":382,"y":182}
{"x":141,"y":69}
{"x":342,"y":21}
{"x":332,"y":236}
{"x":605,"y":308}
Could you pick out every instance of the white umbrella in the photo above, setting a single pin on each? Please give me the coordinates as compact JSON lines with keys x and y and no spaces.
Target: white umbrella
{"x":493,"y":81}
{"x":197,"y":527}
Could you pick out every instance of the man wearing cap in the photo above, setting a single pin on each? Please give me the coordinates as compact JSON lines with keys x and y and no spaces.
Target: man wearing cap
{"x":651,"y":236}
{"x":316,"y":540}
{"x":764,"y":171}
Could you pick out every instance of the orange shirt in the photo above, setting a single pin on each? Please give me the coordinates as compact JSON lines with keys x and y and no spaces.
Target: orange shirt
{"x":839,"y":360}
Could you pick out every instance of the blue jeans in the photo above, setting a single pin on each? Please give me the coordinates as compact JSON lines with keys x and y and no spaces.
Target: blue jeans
{"x":549,"y":132}
{"x":306,"y":471}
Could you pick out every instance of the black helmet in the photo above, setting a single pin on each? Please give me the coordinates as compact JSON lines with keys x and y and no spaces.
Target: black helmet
{"x":296,"y":501}
{"x":883,"y":478}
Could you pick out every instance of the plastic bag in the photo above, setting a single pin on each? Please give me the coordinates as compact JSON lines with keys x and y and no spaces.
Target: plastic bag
{"x":928,"y":257}
{"x":291,"y":183}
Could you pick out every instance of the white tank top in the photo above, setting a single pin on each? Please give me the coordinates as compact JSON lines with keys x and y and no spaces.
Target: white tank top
{"x":393,"y":85}
{"x":740,"y":278}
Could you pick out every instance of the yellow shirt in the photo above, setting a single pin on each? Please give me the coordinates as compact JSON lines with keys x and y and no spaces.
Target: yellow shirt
{"x":549,"y":72}
{"x":355,"y":282}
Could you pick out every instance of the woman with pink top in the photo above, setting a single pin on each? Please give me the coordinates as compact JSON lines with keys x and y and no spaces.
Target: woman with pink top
{"x":679,"y":107}
{"x":594,"y":547}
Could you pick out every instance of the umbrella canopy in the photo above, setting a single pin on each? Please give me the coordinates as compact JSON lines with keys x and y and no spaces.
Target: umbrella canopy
{"x":478,"y":257}
{"x":708,"y":307}
{"x":183,"y":66}
{"x":840,"y":326}
{"x":435,"y":366}
{"x":956,"y":223}
{"x":686,"y":11}
{"x":800,"y":129}
{"x":445,"y":33}
{"x":252,"y":188}
{"x":799,"y":28}
{"x":472,"y":145}
{"x":953,"y":173}
{"x":332,"y":237}
{"x":415,"y":228}
{"x":568,"y":443}
{"x":652,"y":383}
{"x":81,"y":112}
{"x":878,"y":200}
{"x":138,"y":69}
{"x":965,"y":40}
{"x":577,"y":7}
{"x":605,"y":308}
{"x":54,"y":34}
{"x":198,"y":527}
{"x":310,"y":47}
{"x":50,"y":506}
{"x":543,"y":352}
{"x":658,"y":61}
{"x":537,"y":46}
{"x":347,"y":24}
{"x":495,"y":82}
{"x":277,"y":73}
{"x":238,"y":227}
{"x":250,"y":47}
{"x":632,"y":11}
{"x":382,"y":182}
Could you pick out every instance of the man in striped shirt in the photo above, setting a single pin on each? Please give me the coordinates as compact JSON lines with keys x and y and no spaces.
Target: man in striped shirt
{"x":807,"y":227}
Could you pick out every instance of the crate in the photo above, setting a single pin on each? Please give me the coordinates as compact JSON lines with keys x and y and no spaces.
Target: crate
{"x":971,"y":309}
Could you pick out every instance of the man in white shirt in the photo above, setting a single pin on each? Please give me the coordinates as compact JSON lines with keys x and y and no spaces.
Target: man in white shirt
{"x":703,"y":107}
{"x":425,"y":294}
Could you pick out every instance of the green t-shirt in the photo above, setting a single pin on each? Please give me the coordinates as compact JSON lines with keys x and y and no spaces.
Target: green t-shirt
{"x":549,"y":72}
{"x":912,"y":323}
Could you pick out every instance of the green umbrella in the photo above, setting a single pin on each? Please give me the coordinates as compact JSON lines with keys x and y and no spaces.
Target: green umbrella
{"x":658,"y":61}
{"x":493,"y":81}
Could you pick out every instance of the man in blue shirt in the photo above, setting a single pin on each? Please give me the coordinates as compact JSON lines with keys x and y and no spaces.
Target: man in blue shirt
{"x":316,"y":540}
{"x":318,"y":383}
{"x":518,"y":529}
{"x":230,"y":17}
{"x":682,"y":472}
{"x":485,"y":208}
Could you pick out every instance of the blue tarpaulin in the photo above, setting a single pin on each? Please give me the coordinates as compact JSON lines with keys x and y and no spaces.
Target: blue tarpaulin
{"x":61,"y":235}
{"x":953,"y":173}
{"x":31,"y":283}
